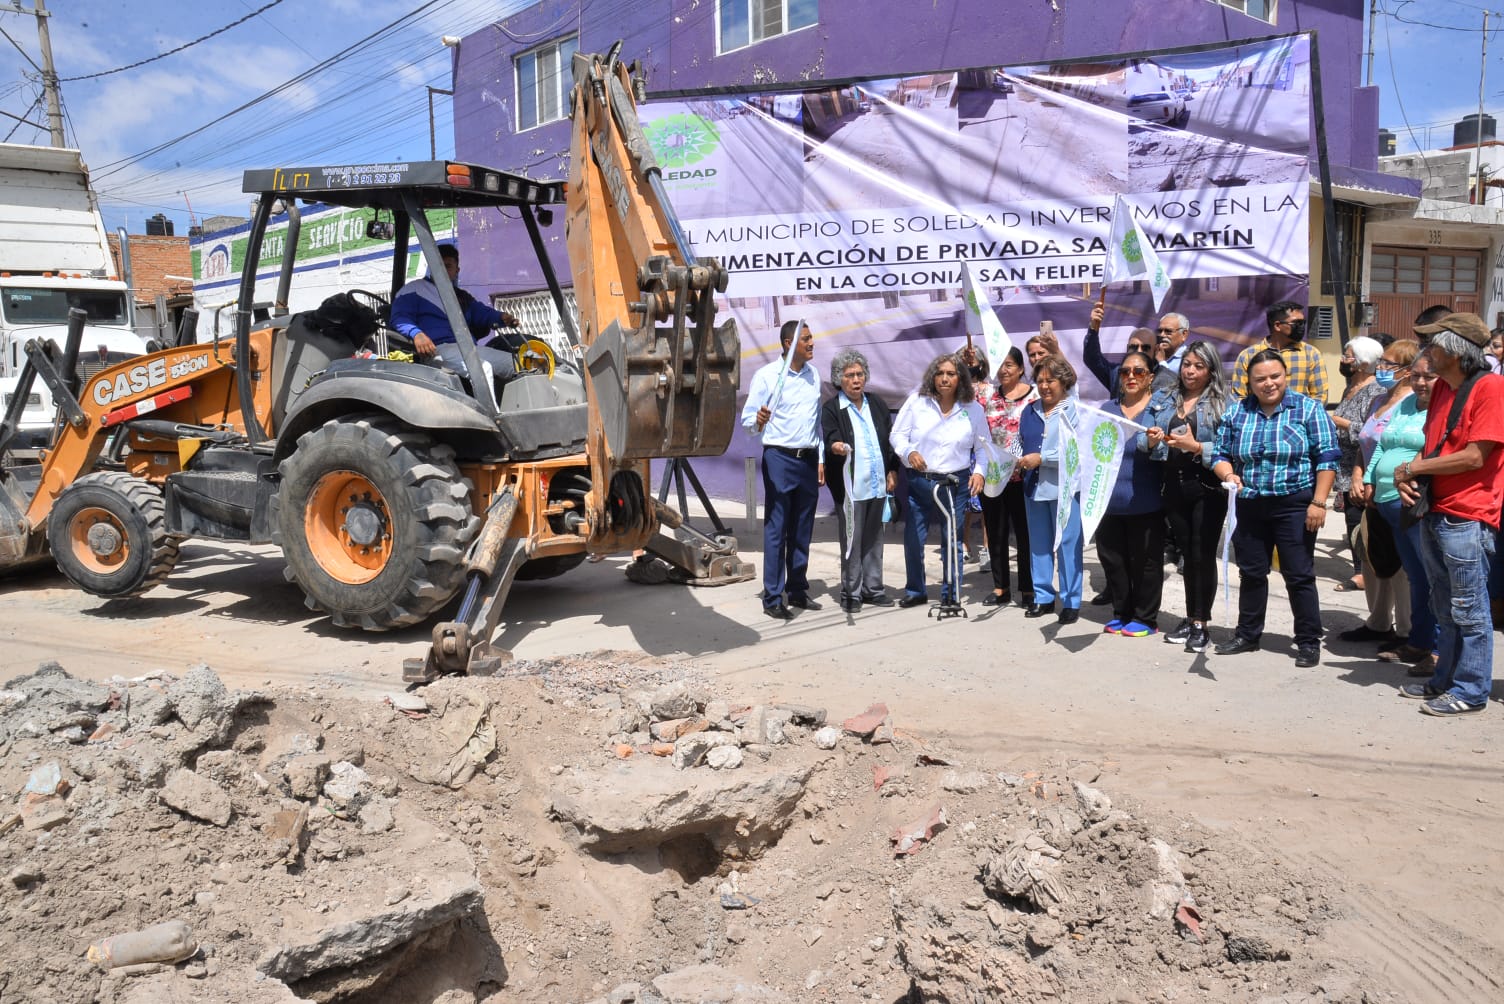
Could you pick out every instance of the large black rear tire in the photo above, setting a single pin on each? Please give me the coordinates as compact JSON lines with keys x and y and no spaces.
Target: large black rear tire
{"x":108,"y":534}
{"x":373,"y":518}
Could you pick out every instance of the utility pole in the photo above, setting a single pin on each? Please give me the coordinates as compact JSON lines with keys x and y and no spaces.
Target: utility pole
{"x":1483,"y":68}
{"x":49,"y":77}
{"x":1373,"y":17}
{"x":48,"y":71}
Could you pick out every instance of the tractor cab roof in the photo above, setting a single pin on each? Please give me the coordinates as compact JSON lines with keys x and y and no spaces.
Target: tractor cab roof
{"x":438,"y":184}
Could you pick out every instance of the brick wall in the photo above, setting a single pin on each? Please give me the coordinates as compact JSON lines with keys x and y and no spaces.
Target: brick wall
{"x":153,"y":259}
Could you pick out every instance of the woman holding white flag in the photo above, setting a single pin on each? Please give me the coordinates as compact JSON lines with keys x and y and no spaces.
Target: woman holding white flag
{"x":1183,"y":433}
{"x":1047,"y":437}
{"x":941,"y":436}
{"x":1131,"y":536}
{"x":1003,"y":513}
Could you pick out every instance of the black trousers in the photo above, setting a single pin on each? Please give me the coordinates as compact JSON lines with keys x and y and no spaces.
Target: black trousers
{"x":1264,"y":524}
{"x":1132,"y":552}
{"x":1000,"y":517}
{"x":1196,"y":514}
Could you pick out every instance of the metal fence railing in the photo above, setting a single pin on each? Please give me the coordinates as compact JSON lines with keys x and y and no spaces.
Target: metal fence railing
{"x":540,"y":319}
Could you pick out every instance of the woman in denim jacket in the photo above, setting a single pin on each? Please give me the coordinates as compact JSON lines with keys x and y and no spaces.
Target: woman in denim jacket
{"x":1182,"y":432}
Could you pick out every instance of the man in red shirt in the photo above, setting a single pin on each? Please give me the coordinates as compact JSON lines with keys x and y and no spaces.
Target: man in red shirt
{"x":1458,"y":535}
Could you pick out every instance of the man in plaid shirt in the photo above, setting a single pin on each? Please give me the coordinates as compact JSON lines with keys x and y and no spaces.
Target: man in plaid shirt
{"x":1287,"y":332}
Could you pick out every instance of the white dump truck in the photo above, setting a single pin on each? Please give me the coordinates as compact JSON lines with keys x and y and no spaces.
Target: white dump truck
{"x":54,"y":256}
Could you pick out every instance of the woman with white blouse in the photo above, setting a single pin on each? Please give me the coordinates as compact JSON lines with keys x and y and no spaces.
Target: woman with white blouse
{"x":940,"y":434}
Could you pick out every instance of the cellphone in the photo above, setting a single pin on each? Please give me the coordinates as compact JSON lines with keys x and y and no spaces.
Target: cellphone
{"x":1046,"y":327}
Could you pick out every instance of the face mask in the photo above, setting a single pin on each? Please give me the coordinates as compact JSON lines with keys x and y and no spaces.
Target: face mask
{"x":888,"y":509}
{"x":1297,"y":330}
{"x":1385,"y":378}
{"x":1346,"y":369}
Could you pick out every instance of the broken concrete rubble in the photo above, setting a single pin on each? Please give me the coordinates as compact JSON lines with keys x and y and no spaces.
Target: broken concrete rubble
{"x":630,"y":881}
{"x":739,"y":812}
{"x":196,"y":796}
{"x":346,"y":944}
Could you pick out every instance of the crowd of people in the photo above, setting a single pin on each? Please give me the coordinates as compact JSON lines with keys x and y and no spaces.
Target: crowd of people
{"x":1408,"y":457}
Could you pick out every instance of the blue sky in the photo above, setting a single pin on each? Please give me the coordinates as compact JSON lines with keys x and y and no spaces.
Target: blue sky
{"x":373,"y":104}
{"x":1428,"y":65}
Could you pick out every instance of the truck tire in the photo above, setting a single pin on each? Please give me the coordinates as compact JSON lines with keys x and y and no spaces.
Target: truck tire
{"x":373,"y":518}
{"x":108,"y":534}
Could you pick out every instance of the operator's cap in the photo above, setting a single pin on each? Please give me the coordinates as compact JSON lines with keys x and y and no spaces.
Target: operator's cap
{"x":1469,"y":326}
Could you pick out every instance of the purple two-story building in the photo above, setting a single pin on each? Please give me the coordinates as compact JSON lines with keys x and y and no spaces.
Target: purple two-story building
{"x":512,"y":81}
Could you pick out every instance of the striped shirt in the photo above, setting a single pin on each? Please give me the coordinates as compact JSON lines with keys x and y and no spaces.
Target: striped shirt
{"x":1277,"y":454}
{"x":1302,"y":360}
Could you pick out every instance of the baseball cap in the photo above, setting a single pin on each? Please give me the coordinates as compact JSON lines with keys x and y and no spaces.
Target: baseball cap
{"x":1469,"y":326}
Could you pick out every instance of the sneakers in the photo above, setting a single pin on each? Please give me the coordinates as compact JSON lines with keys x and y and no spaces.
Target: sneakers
{"x":1307,"y":656}
{"x":1180,"y":634}
{"x":1113,"y":627}
{"x":1420,"y":692}
{"x":1198,"y":640}
{"x":1138,"y":629}
{"x":1449,"y":705}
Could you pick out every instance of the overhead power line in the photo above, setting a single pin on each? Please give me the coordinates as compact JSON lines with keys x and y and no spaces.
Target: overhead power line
{"x":124,"y":162}
{"x":173,"y":52}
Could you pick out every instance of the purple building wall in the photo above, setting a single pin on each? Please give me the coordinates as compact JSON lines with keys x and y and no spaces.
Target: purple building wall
{"x":675,"y":42}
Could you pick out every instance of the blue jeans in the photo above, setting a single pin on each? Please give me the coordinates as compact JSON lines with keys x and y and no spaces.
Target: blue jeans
{"x":924,"y":513}
{"x":1044,"y":562}
{"x":1409,"y":545}
{"x":1457,"y":552}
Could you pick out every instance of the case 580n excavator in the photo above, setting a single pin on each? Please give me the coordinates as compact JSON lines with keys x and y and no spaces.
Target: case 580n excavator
{"x":393,"y":486}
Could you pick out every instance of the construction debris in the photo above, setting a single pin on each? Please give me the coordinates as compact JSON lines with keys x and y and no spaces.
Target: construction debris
{"x":485,"y":840}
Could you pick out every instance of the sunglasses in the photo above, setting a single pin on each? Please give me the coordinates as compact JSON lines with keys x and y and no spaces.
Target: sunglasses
{"x":1133,"y":371}
{"x":1166,"y":331}
{"x":1139,"y":347}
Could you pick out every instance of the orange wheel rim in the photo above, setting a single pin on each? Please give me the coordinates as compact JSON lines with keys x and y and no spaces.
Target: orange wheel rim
{"x":98,"y":540}
{"x":348,"y":526}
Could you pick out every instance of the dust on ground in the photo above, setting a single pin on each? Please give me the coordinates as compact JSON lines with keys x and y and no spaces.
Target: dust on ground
{"x":603,"y":828}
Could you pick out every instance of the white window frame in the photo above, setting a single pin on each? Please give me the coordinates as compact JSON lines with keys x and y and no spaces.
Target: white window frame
{"x":752,"y":38}
{"x":1241,"y":6}
{"x":562,"y":81}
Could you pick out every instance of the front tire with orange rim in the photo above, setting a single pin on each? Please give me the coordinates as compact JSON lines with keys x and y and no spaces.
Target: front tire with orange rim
{"x":373,"y":518}
{"x":108,"y":534}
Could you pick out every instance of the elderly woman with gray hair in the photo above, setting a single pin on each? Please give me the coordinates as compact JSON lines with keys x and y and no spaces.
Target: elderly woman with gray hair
{"x":1359,"y":360}
{"x":856,"y":426}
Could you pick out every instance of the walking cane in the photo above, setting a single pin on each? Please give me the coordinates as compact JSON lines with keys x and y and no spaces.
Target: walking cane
{"x":952,"y":607}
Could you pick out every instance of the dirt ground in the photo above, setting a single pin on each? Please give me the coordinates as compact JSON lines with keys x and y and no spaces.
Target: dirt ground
{"x":1378,"y":827}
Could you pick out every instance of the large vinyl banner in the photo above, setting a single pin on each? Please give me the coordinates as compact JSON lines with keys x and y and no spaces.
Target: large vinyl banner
{"x":858,"y":208}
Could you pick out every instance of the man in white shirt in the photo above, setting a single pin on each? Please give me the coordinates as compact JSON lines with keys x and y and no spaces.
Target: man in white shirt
{"x":783,"y":408}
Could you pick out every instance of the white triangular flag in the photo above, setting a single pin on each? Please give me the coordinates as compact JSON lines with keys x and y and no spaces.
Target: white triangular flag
{"x":982,"y":320}
{"x":1131,"y":257}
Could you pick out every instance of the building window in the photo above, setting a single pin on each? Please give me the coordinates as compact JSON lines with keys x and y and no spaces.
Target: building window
{"x":543,"y":81}
{"x":746,"y":22}
{"x":1261,"y":9}
{"x":1348,"y":249}
{"x":1415,"y":272}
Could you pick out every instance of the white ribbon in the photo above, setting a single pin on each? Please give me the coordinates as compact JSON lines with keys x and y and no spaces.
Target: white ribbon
{"x":1227,"y":528}
{"x":848,"y":506}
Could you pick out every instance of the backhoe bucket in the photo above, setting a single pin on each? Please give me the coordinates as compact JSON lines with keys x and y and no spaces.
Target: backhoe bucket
{"x":647,"y":409}
{"x":15,"y":533}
